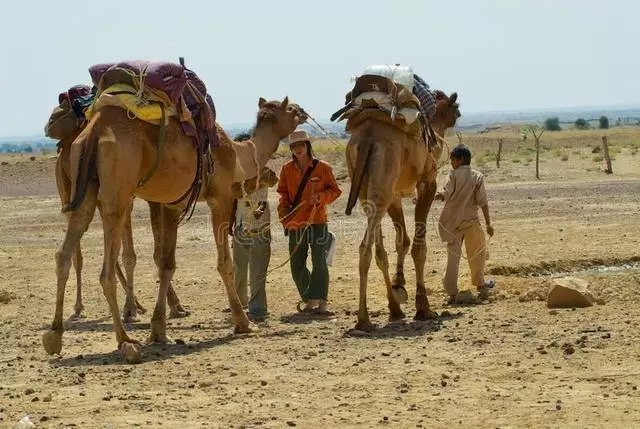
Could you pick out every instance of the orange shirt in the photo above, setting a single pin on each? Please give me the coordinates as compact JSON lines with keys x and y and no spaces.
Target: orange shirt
{"x":321,"y":182}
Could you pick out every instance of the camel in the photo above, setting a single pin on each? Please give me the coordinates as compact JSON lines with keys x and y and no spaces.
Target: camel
{"x":117,"y":151}
{"x":386,"y":164}
{"x":131,"y":307}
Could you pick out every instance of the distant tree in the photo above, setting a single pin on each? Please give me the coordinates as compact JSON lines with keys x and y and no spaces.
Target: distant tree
{"x":603,"y":123}
{"x":246,"y":135}
{"x":582,"y":124}
{"x":28,"y":149}
{"x":552,"y":124}
{"x":536,"y":132}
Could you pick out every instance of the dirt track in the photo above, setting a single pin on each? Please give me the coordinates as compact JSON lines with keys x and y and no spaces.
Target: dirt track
{"x":510,"y":363}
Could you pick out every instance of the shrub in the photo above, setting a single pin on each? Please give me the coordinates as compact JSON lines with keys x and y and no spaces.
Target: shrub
{"x":552,"y":124}
{"x":603,"y":123}
{"x":582,"y":124}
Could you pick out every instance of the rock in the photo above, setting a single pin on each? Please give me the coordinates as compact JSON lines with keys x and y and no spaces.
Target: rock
{"x":569,"y":292}
{"x":32,"y":158}
{"x":29,"y":391}
{"x":291,"y":423}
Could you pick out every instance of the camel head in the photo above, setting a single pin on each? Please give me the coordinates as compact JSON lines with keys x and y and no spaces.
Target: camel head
{"x":283,"y":116}
{"x":447,"y":110}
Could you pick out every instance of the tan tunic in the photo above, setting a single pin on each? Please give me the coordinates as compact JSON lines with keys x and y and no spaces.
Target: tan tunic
{"x":463,"y":193}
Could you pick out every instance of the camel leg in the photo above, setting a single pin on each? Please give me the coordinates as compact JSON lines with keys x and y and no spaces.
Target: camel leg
{"x":220,"y":214}
{"x":382,"y":260}
{"x":77,"y":224}
{"x":130,"y":310}
{"x":402,"y":248}
{"x":176,"y":309}
{"x":77,"y":266}
{"x":374,"y":218}
{"x":165,"y":221}
{"x":426,"y":194}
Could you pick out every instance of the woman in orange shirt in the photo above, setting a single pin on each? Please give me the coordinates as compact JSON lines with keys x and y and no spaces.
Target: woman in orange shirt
{"x":306,"y":223}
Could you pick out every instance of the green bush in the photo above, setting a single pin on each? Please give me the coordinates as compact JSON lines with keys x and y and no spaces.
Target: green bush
{"x":552,"y":124}
{"x":582,"y":124}
{"x":603,"y":123}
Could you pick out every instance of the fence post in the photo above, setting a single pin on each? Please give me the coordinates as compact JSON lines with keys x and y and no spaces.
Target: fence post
{"x":607,"y":158}
{"x":499,"y":154}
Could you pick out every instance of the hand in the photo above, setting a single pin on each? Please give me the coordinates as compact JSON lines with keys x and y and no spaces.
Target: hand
{"x":315,"y":199}
{"x":258,"y":212}
{"x":490,"y":230}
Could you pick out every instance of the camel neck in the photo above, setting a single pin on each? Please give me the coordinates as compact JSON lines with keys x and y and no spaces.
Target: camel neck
{"x":439,"y":129}
{"x":266,"y":140}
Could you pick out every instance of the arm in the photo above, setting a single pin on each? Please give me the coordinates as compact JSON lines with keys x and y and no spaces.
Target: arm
{"x":487,"y":219}
{"x":331,"y":191}
{"x":285,"y":202}
{"x":481,"y":200}
{"x":448,"y":189}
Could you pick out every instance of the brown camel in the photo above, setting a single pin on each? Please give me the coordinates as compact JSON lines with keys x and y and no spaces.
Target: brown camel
{"x":131,"y":307}
{"x":386,"y":164}
{"x":118,"y":151}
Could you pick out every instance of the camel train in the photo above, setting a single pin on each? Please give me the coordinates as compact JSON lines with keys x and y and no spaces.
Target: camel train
{"x":148,"y":131}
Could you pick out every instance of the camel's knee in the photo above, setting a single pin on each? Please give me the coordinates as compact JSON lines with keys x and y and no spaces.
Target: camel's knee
{"x":63,"y":261}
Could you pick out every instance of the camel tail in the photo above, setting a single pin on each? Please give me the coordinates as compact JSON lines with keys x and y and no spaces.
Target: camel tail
{"x":83,"y":157}
{"x":362,"y":160}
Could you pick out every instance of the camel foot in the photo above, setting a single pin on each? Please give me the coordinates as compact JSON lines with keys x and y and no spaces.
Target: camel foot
{"x":179,"y":312}
{"x":365,"y":326}
{"x":425,"y":315}
{"x":139,"y":307}
{"x":400,"y":294}
{"x":130,"y":316}
{"x":74,"y":317}
{"x":52,"y":342}
{"x":158,"y":331}
{"x":159,"y":338}
{"x":396,"y":315}
{"x":243,"y":328}
{"x":77,"y":311}
{"x":131,"y":352}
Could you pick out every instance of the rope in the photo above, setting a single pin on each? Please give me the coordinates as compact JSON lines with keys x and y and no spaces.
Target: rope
{"x":317,"y":126}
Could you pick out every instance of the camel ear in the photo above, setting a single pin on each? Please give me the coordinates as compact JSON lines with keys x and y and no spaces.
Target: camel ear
{"x":285,"y":103}
{"x":261,"y":102}
{"x":453,"y":98}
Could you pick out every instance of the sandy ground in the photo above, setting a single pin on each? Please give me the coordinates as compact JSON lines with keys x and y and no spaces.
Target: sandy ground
{"x":509,"y":363}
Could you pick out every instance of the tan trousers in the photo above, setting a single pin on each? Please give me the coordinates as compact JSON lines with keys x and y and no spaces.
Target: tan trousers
{"x":471,"y":234}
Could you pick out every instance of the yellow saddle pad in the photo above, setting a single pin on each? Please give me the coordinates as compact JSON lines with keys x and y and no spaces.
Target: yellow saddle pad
{"x":121,"y":95}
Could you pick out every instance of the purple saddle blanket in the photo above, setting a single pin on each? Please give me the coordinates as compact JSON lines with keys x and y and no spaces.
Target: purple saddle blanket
{"x":178,"y":83}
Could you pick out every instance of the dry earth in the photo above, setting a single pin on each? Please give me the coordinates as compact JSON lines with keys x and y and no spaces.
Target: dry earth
{"x":509,"y":363}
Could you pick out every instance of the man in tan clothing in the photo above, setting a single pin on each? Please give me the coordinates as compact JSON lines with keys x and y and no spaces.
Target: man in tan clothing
{"x":463,"y":193}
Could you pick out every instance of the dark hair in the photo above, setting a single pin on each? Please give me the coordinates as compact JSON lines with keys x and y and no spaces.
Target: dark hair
{"x":463,"y":153}
{"x":309,"y":150}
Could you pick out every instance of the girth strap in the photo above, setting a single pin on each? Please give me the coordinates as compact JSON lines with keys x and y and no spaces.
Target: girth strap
{"x":159,"y":148}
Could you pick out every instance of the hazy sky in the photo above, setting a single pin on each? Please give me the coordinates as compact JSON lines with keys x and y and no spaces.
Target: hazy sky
{"x":498,"y":55}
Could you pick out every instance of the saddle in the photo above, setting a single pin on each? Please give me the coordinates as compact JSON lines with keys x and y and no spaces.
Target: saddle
{"x":176,"y":89}
{"x":68,"y":117}
{"x":380,"y":98}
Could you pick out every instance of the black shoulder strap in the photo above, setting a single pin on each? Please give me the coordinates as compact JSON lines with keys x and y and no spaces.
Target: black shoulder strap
{"x":303,"y":183}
